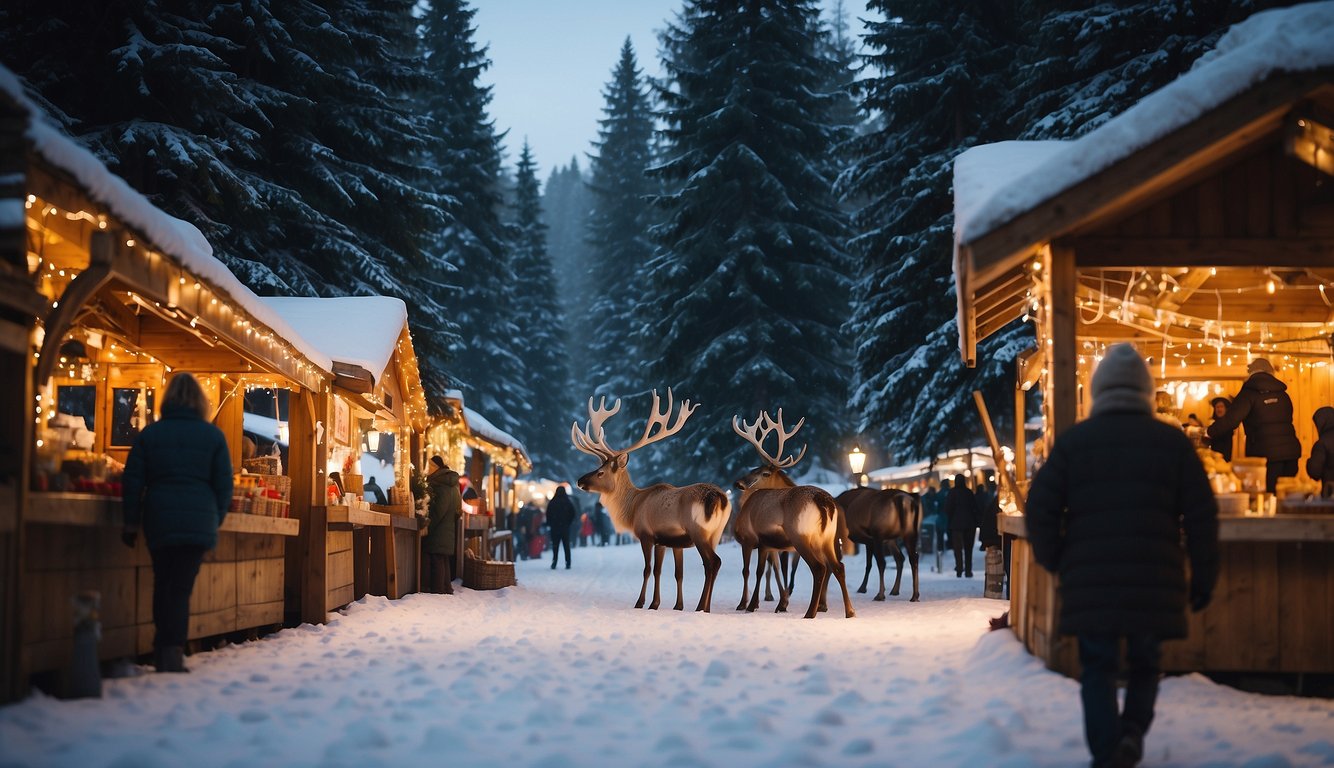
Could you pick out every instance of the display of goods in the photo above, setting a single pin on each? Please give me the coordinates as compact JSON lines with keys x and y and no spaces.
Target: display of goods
{"x":1233,"y":503}
{"x":262,"y":465}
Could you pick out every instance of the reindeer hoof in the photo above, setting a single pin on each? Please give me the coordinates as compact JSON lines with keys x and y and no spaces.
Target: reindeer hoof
{"x":861,"y":591}
{"x":880,"y":598}
{"x":916,"y":599}
{"x":851,"y":614}
{"x":679,"y":607}
{"x":639,"y":604}
{"x":894,"y":592}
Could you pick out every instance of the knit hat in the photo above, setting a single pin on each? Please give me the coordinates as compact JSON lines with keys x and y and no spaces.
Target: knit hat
{"x":1122,"y":369}
{"x":1260,"y":365}
{"x":438,"y":462}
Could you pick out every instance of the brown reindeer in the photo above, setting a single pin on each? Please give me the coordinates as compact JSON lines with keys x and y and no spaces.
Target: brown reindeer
{"x":878,"y":519}
{"x":660,"y":515}
{"x":775,"y":514}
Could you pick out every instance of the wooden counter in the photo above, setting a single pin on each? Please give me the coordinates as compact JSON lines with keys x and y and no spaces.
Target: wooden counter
{"x":353,"y":552}
{"x":1270,"y":610}
{"x":73,"y":544}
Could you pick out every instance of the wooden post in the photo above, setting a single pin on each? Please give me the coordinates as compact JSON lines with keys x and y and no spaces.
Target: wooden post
{"x":1020,"y":439}
{"x":305,"y":492}
{"x":18,"y":300}
{"x":1060,"y":354}
{"x":997,"y":456}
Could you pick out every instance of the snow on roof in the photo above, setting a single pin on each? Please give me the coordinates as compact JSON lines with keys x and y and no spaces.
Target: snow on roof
{"x":1295,"y":39}
{"x":177,"y":239}
{"x":357,"y":330}
{"x":480,"y":426}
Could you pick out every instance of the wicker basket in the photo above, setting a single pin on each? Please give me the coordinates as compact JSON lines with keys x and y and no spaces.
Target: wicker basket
{"x":487,"y":574}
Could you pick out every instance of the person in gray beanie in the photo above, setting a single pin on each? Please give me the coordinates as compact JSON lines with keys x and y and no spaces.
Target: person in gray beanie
{"x":1264,"y":410}
{"x":1107,"y":513}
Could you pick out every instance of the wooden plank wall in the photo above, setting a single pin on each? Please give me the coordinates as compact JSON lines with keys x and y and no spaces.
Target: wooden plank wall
{"x":240,"y":587}
{"x":338,"y":577}
{"x":1270,"y":612}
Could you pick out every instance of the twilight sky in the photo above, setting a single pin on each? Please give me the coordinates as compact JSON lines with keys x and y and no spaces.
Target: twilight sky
{"x":550,"y":61}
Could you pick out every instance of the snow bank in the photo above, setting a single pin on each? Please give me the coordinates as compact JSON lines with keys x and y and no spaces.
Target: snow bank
{"x":995,"y":183}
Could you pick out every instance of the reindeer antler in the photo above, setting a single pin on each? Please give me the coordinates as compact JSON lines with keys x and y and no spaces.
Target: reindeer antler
{"x":756,"y":433}
{"x":593,"y":441}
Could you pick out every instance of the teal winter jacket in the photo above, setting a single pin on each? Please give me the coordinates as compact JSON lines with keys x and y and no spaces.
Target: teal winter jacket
{"x":178,"y":481}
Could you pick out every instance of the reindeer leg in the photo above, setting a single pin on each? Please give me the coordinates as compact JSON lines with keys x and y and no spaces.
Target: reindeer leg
{"x":648,"y":549}
{"x":657,"y":576}
{"x":768,"y":586}
{"x":877,"y":546}
{"x":836,"y":566}
{"x":911,"y":542}
{"x":775,"y":562}
{"x":677,"y":554}
{"x":819,"y":575}
{"x":760,"y":560}
{"x":898,"y":569}
{"x":867,"y":576}
{"x":745,"y":577}
{"x":711,"y":563}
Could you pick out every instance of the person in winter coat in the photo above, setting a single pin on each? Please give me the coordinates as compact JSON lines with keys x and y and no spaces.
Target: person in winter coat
{"x":560,"y":517}
{"x":988,"y":506}
{"x":1107,"y":512}
{"x":961,"y":512}
{"x":442,"y":528}
{"x":1263,"y":408}
{"x":177,"y":488}
{"x":1222,"y":442}
{"x":1320,"y":466}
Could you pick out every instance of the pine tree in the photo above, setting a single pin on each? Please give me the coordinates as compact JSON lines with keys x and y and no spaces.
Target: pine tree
{"x":565,"y":204}
{"x":617,"y":226}
{"x":544,"y":432}
{"x":746,"y":283}
{"x":465,"y":152}
{"x":283,"y":134}
{"x":942,"y":74}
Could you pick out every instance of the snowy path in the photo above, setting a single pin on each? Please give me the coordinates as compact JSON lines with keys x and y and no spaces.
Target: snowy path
{"x":561,"y":671}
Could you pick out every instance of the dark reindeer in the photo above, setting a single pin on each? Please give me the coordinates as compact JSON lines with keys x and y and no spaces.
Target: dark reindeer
{"x":878,"y":519}
{"x":775,"y":514}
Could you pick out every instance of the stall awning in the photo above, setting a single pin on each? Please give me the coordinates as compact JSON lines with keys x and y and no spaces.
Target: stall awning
{"x":356,"y":331}
{"x":1012,"y":199}
{"x":480,"y":427}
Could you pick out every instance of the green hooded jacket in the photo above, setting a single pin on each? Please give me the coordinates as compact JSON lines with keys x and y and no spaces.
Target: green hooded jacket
{"x":446,"y":507}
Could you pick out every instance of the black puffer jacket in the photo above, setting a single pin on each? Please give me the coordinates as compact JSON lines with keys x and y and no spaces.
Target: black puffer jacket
{"x":1320,"y":466}
{"x":1264,"y":409}
{"x":961,"y":508}
{"x":1106,"y":512}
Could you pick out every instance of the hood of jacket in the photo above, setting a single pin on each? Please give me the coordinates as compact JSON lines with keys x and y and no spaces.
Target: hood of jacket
{"x":1264,"y":382}
{"x":1324,"y":420}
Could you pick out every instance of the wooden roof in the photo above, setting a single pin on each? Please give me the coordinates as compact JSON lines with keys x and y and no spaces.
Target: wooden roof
{"x":1180,"y":203}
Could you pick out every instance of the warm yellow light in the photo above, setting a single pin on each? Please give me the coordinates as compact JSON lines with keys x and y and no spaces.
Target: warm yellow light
{"x":856,"y":460}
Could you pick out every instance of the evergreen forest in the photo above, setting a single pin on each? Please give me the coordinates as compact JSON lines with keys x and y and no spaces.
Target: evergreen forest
{"x":765,"y":224}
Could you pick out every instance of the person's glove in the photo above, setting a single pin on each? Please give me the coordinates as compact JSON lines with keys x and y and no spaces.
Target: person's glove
{"x":1199,"y":599}
{"x":129,"y":537}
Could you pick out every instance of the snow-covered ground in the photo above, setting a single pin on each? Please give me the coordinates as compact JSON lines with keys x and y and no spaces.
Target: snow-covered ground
{"x":561,"y":671}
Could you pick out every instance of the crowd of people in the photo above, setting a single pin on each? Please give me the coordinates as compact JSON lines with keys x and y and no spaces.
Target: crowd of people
{"x":561,"y":525}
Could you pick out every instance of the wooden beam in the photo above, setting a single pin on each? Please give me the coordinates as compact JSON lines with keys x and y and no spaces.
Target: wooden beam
{"x":1154,"y":171}
{"x":1289,"y":251}
{"x":71,"y":303}
{"x":997,"y":455}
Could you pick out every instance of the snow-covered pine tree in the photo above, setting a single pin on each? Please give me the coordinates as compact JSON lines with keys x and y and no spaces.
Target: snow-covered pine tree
{"x":940,"y":83}
{"x":541,"y":343}
{"x":617,"y":226}
{"x":283,"y":134}
{"x":465,"y":152}
{"x":1081,"y":63}
{"x":565,"y":204}
{"x":747,"y":288}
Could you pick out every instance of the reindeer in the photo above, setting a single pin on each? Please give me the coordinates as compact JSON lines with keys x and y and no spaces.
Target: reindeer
{"x":660,"y":515}
{"x":776,"y":514}
{"x":878,"y":519}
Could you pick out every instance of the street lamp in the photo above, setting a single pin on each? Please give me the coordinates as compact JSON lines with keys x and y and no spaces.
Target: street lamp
{"x":856,"y":460}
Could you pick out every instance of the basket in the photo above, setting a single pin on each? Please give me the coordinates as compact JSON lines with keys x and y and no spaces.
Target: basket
{"x":1232,"y":503}
{"x":261,"y":465}
{"x":487,"y":574}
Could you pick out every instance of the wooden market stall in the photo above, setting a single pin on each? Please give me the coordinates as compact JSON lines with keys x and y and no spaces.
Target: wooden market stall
{"x":369,"y":418}
{"x":1203,"y":232}
{"x":113,"y":295}
{"x":494,"y":461}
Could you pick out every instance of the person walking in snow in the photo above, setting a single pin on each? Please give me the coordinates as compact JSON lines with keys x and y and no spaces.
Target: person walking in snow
{"x":442,"y":529}
{"x":560,"y":519}
{"x":1107,"y":512}
{"x":1262,"y":407}
{"x":1320,"y":465}
{"x":961,"y":511}
{"x":177,"y":486}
